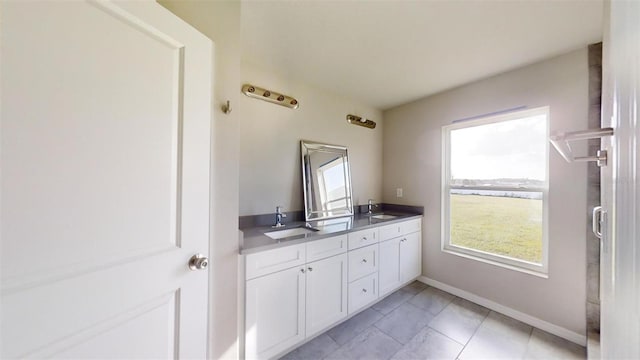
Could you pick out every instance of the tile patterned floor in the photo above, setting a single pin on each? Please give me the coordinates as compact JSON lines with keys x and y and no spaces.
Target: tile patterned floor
{"x":422,"y":322}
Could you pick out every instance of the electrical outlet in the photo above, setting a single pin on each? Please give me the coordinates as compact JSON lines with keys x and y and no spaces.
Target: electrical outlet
{"x":399,"y":192}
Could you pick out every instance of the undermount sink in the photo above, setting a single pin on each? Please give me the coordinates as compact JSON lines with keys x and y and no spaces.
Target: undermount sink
{"x":280,"y":234}
{"x":383,"y":217}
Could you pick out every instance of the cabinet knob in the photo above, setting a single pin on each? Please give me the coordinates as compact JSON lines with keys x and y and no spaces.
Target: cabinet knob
{"x":364,"y":290}
{"x":364,"y":261}
{"x":302,"y":270}
{"x":364,"y":238}
{"x":310,"y":268}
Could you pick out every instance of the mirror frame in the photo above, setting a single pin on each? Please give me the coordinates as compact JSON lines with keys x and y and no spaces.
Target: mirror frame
{"x":306,"y":147}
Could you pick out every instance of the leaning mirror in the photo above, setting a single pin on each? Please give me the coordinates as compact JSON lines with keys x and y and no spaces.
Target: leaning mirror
{"x":326,"y":181}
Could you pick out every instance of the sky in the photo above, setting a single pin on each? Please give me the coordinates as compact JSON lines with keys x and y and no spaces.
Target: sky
{"x":509,"y":149}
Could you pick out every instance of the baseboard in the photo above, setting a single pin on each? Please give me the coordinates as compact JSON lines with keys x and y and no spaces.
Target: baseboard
{"x":505,"y":310}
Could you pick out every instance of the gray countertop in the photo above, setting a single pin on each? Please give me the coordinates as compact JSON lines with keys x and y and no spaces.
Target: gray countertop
{"x":254,"y":240}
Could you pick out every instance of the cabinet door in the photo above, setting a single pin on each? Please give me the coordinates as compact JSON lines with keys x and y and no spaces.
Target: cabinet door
{"x":326,"y":293}
{"x":389,"y":275}
{"x":410,"y":256}
{"x":275,"y":313}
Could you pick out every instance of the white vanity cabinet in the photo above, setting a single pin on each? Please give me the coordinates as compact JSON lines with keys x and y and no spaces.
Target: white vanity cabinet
{"x":274,"y":313}
{"x":326,"y":295}
{"x":289,"y":298}
{"x":400,"y":254}
{"x":410,"y":256}
{"x":389,"y":274}
{"x":297,"y":291}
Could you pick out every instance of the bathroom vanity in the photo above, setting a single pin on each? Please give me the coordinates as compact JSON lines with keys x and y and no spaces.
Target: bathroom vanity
{"x":304,"y":277}
{"x":298,"y":286}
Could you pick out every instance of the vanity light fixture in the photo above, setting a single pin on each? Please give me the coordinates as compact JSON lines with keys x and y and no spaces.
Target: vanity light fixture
{"x":357,"y":120}
{"x":270,"y":96}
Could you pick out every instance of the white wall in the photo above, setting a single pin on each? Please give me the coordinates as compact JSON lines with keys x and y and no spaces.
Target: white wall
{"x":220,"y":21}
{"x":413,"y":157}
{"x":270,"y":165}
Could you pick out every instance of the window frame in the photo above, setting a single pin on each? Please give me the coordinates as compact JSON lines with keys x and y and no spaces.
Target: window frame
{"x":475,"y":254}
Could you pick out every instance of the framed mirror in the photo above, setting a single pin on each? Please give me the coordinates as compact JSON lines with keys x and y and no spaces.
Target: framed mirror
{"x":326,"y":180}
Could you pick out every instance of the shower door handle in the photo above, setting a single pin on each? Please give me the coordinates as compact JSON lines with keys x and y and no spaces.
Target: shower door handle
{"x":596,"y":221}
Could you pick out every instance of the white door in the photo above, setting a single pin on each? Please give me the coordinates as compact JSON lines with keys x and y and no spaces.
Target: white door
{"x":326,"y":293}
{"x":620,"y":183}
{"x":105,"y":120}
{"x":410,"y":256}
{"x":275,"y":313}
{"x":389,"y":273}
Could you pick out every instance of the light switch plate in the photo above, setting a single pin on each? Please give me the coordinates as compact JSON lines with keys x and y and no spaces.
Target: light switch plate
{"x":399,"y":192}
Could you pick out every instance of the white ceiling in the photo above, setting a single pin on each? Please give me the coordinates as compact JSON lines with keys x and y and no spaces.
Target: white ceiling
{"x":386,"y":53}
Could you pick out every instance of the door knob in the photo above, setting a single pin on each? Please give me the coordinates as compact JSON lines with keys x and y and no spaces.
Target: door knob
{"x":198,"y":262}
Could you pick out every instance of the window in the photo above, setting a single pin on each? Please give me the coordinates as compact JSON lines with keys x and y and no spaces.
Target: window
{"x":495,"y":184}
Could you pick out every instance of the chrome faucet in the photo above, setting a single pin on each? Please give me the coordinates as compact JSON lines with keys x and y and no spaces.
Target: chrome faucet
{"x":370,"y":205}
{"x":279,"y":216}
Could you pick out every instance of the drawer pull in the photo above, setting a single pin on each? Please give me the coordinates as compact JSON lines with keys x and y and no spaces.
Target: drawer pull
{"x":364,"y":290}
{"x":310,"y":268}
{"x":364,"y":261}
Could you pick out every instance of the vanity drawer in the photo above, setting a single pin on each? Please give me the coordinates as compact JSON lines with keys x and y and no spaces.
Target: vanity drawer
{"x":325,"y":248}
{"x":411,"y":226}
{"x":390,"y":231}
{"x":270,"y":261}
{"x":358,"y":239}
{"x":363,"y":292}
{"x":398,"y":229}
{"x":363,"y":261}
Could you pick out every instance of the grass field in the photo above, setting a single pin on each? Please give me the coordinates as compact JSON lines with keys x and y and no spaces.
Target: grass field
{"x":500,"y":225}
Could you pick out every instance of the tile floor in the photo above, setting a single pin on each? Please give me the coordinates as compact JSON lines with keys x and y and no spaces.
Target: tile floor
{"x":422,"y":322}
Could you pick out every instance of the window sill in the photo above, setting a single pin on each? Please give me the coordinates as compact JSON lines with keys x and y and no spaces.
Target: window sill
{"x":455,"y":251}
